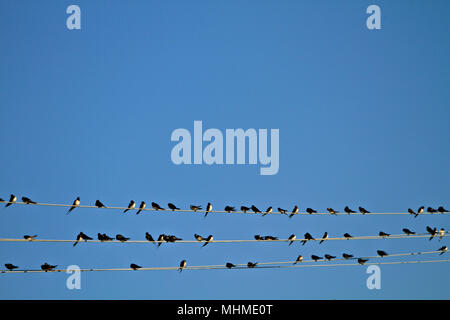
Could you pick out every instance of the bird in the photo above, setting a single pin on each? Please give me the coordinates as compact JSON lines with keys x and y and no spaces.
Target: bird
{"x":270,"y":238}
{"x":441,"y":233}
{"x":258,"y":237}
{"x":325,"y":237}
{"x":442,"y":210}
{"x":229,"y":265}
{"x":315,"y":258}
{"x":433,"y":232}
{"x":291,"y":239}
{"x":12,"y":199}
{"x":269,"y":210}
{"x":307,"y":237}
{"x":384,"y":234}
{"x":161,"y":239}
{"x":134,"y":266}
{"x":208,"y":209}
{"x":348,"y":210}
{"x":281,"y":211}
{"x":75,"y":204}
{"x":195,"y":208}
{"x":156,"y":206}
{"x":348,"y":236}
{"x":106,"y":237}
{"x":411,"y":211}
{"x":255,"y":209}
{"x":171,"y":238}
{"x":10,"y":266}
{"x":331,"y":211}
{"x":294,"y":212}
{"x":149,"y":237}
{"x":99,"y":204}
{"x":431,"y":210}
{"x":347,"y":256}
{"x":172,"y":207}
{"x":408,"y":232}
{"x":299,"y":259}
{"x":131,"y":205}
{"x":310,"y":211}
{"x":81,"y":236}
{"x":47,"y":267}
{"x":229,"y":209}
{"x":28,"y":201}
{"x":244,"y":209}
{"x":121,"y":238}
{"x":363,"y":211}
{"x":362,"y":261}
{"x":252,"y":264}
{"x":329,"y":257}
{"x":29,"y":238}
{"x":381,"y":253}
{"x":1,"y":200}
{"x":182,"y":265}
{"x":420,"y":210}
{"x":444,"y":249}
{"x":198,"y":237}
{"x":100,"y":237}
{"x":141,"y":207}
{"x":208,"y":240}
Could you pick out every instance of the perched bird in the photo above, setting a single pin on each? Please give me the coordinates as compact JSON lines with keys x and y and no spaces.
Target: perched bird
{"x":245,"y":209}
{"x":229,"y":209}
{"x":442,"y":210}
{"x":141,"y":207}
{"x":161,"y":239}
{"x":294,"y":212}
{"x":310,"y":211}
{"x":149,"y":237}
{"x":408,"y":232}
{"x":252,"y":264}
{"x":348,"y":210}
{"x":411,"y":211}
{"x":81,"y":236}
{"x":362,"y":261}
{"x":100,"y":237}
{"x":1,"y":200}
{"x":10,"y":266}
{"x":182,"y":265}
{"x":29,"y":238}
{"x":363,"y":211}
{"x":99,"y":204}
{"x":75,"y":204}
{"x":134,"y":266}
{"x":347,"y":256}
{"x":171,"y":238}
{"x":329,"y":257}
{"x":281,"y":211}
{"x":269,"y":210}
{"x":12,"y":199}
{"x":291,"y":238}
{"x":208,"y":209}
{"x":208,"y":240}
{"x":131,"y":205}
{"x":47,"y":267}
{"x":198,"y":237}
{"x":420,"y":210}
{"x":431,"y":210}
{"x":106,"y":237}
{"x":381,"y":253}
{"x":230,"y":265}
{"x":331,"y":211}
{"x":195,"y":208}
{"x":441,"y":233}
{"x":299,"y":259}
{"x":433,"y":232}
{"x":325,"y":237}
{"x":156,"y":206}
{"x":270,"y":238}
{"x":384,"y":234}
{"x":28,"y":201}
{"x":307,"y":237}
{"x":172,"y":207}
{"x":258,"y":237}
{"x":255,"y":209}
{"x":348,"y":236}
{"x":444,"y":249}
{"x":121,"y":238}
{"x":315,"y":258}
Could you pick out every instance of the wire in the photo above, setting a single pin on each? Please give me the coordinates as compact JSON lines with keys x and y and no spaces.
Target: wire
{"x":215,"y":211}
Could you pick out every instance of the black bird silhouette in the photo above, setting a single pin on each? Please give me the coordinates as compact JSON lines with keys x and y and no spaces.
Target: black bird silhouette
{"x":348,"y":236}
{"x":10,"y":266}
{"x":442,"y":210}
{"x":134,"y":266}
{"x":315,"y":258}
{"x":420,"y":210}
{"x":291,"y":238}
{"x":331,"y":211}
{"x":362,"y":261}
{"x":329,"y":257}
{"x":299,"y":259}
{"x":294,"y":212}
{"x":156,"y":206}
{"x":307,"y":237}
{"x":269,"y":210}
{"x":347,"y":256}
{"x":363,"y":211}
{"x":198,"y":237}
{"x":81,"y":236}
{"x":208,"y":209}
{"x":12,"y":199}
{"x":444,"y":249}
{"x":244,"y":209}
{"x":171,"y":238}
{"x":441,"y":233}
{"x":281,"y":211}
{"x":1,"y":200}
{"x":195,"y":208}
{"x":208,"y":240}
{"x":384,"y":234}
{"x":161,"y":239}
{"x":121,"y":238}
{"x":258,"y":237}
{"x":28,"y":201}
{"x":47,"y":267}
{"x":381,"y":253}
{"x":411,"y":211}
{"x":270,"y":238}
{"x":408,"y":232}
{"x":172,"y":207}
{"x":433,"y":232}
{"x":310,"y":211}
{"x":182,"y":265}
{"x":131,"y":205}
{"x":252,"y":264}
{"x":431,"y":210}
{"x":348,"y":210}
{"x":230,"y":265}
{"x":100,"y":237}
{"x":141,"y":207}
{"x":255,"y":209}
{"x":325,"y":237}
{"x":149,"y":237}
{"x":106,"y":237}
{"x":99,"y":204}
{"x":229,"y":209}
{"x":75,"y":204}
{"x":29,"y":238}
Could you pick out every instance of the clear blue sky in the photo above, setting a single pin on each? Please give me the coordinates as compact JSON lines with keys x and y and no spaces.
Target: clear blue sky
{"x":363,"y":118}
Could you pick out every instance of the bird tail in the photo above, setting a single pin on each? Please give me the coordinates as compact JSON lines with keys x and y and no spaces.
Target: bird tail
{"x":8,"y":204}
{"x":75,"y":243}
{"x":125,"y":210}
{"x":321,"y":241}
{"x":205,"y":244}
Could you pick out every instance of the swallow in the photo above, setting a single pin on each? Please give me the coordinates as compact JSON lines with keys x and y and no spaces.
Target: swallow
{"x":75,"y":204}
{"x":255,"y":209}
{"x":208,"y":209}
{"x":291,"y":239}
{"x":331,"y":211}
{"x":362,"y":261}
{"x":230,"y":265}
{"x":106,"y":237}
{"x":348,"y":236}
{"x":294,"y":212}
{"x":182,"y":265}
{"x":299,"y":259}
{"x":195,"y":208}
{"x":441,"y":233}
{"x":149,"y":237}
{"x":161,"y":239}
{"x":347,"y":256}
{"x":408,"y":232}
{"x":433,"y":232}
{"x":208,"y":240}
{"x":381,"y":253}
{"x":141,"y":207}
{"x":325,"y":237}
{"x":252,"y":264}
{"x":172,"y":207}
{"x":121,"y":238}
{"x":411,"y":211}
{"x":315,"y":258}
{"x":431,"y":210}
{"x":270,"y":238}
{"x":442,"y":210}
{"x":171,"y":238}
{"x":47,"y":267}
{"x":444,"y":249}
{"x":269,"y":210}
{"x":10,"y":266}
{"x":156,"y":206}
{"x":329,"y":257}
{"x":384,"y":234}
{"x":244,"y":209}
{"x":134,"y":266}
{"x":281,"y":211}
{"x":131,"y":205}
{"x":310,"y":211}
{"x":307,"y":237}
{"x":12,"y":199}
{"x":99,"y":204}
{"x":363,"y":211}
{"x":81,"y":236}
{"x":28,"y":201}
{"x":258,"y":237}
{"x":229,"y":209}
{"x":100,"y":237}
{"x":198,"y":237}
{"x":29,"y":238}
{"x":420,"y":210}
{"x":348,"y":210}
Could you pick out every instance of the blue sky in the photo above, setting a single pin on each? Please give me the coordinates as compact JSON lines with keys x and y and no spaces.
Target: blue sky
{"x":363,"y":118}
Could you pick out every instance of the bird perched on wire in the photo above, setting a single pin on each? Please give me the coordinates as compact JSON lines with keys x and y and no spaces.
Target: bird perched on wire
{"x":270,"y":238}
{"x":100,"y":237}
{"x":172,"y":206}
{"x":431,"y":210}
{"x":363,"y":211}
{"x":441,"y":233}
{"x":131,"y":206}
{"x":141,"y":207}
{"x":382,"y":253}
{"x":106,"y":237}
{"x":444,"y":249}
{"x":195,"y":208}
{"x":99,"y":204}
{"x":171,"y":238}
{"x":282,"y":211}
{"x":229,"y":265}
{"x":47,"y":267}
{"x":362,"y":261}
{"x":252,"y":264}
{"x":310,"y":211}
{"x":244,"y":209}
{"x":29,"y":238}
{"x":384,"y":234}
{"x":229,"y":209}
{"x":12,"y":199}
{"x":291,"y":238}
{"x":348,"y":210}
{"x":161,"y":239}
{"x":420,"y":210}
{"x":182,"y":265}
{"x":156,"y":206}
{"x":329,"y":257}
{"x":198,"y":237}
{"x":348,"y":236}
{"x":81,"y":236}
{"x":258,"y":237}
{"x":10,"y":266}
{"x":408,"y":232}
{"x":347,"y":256}
{"x":75,"y":204}
{"x":411,"y":211}
{"x":307,"y":237}
{"x":325,"y":237}
{"x":28,"y":201}
{"x":433,"y":232}
{"x":121,"y":238}
{"x":331,"y":211}
{"x":208,"y":240}
{"x":294,"y":212}
{"x":134,"y":266}
{"x":299,"y":259}
{"x":1,"y":200}
{"x":208,"y":209}
{"x":269,"y":210}
{"x":255,"y":209}
{"x":316,"y":258}
{"x":442,"y":210}
{"x":149,"y":237}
